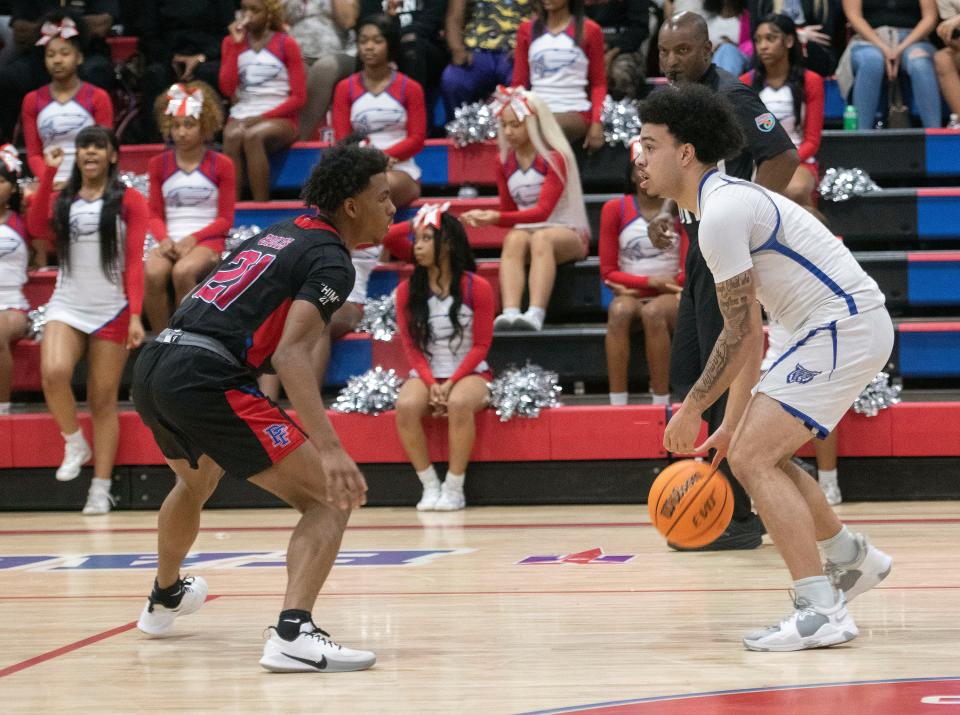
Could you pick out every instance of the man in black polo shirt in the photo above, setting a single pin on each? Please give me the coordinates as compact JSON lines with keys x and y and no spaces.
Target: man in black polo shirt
{"x":769,"y":159}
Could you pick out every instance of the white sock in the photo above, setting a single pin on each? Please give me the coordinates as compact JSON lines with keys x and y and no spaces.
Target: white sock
{"x":454,"y":481}
{"x":817,"y":591}
{"x":842,"y":547}
{"x":4,"y":408}
{"x":75,"y":438}
{"x":428,"y":476}
{"x":100,"y":483}
{"x":536,"y":314}
{"x":618,"y":398}
{"x":827,"y":476}
{"x":511,"y":312}
{"x":660,"y":399}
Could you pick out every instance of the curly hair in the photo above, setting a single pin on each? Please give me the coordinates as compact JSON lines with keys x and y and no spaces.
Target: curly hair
{"x":276,"y":18}
{"x":211,"y":114}
{"x":343,"y":171}
{"x":696,"y":115}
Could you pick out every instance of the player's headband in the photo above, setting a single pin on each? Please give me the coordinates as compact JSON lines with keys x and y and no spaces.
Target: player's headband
{"x":183,"y":102}
{"x":429,"y":215}
{"x":66,"y":29}
{"x":11,"y":158}
{"x":513,"y":97}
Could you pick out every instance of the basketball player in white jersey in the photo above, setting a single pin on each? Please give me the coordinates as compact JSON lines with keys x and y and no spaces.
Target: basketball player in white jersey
{"x":760,"y":246}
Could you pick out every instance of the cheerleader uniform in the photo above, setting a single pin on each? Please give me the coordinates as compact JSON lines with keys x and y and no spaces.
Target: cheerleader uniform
{"x":85,"y":298}
{"x":627,"y":256}
{"x":394,"y":120}
{"x":196,"y":203}
{"x":14,"y":256}
{"x":449,"y":357}
{"x":364,"y":259}
{"x":567,"y":76}
{"x":534,"y":198}
{"x":805,"y":131}
{"x":267,"y":83}
{"x":49,"y":123}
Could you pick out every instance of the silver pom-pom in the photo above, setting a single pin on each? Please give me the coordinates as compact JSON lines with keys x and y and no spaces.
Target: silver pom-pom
{"x":472,"y":123}
{"x":524,"y":392}
{"x":239,"y":234}
{"x":843,"y":184}
{"x":371,"y":393}
{"x":878,"y":395}
{"x":38,"y":321}
{"x":140,"y":182}
{"x":621,"y":121}
{"x":379,"y":318}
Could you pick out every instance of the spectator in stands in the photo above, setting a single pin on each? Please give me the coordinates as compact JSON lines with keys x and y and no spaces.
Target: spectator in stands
{"x":99,"y":227}
{"x":192,"y":193}
{"x":445,"y":321}
{"x":890,"y":37}
{"x":481,"y":35}
{"x":320,"y":28}
{"x":384,"y":105}
{"x":793,"y":95}
{"x":559,"y":56}
{"x":947,"y":59}
{"x":27,"y":70}
{"x":646,"y":283}
{"x":729,"y":26}
{"x":14,"y":256}
{"x":540,"y":200}
{"x":262,"y":72}
{"x":626,"y":28}
{"x":54,"y":114}
{"x":181,"y":42}
{"x":820,"y":27}
{"x":423,"y":52}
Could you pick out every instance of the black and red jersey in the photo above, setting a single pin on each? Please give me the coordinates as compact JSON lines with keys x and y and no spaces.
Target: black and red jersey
{"x":244,"y":302}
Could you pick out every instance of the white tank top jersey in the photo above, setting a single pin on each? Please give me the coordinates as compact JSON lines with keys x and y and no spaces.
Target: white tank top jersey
{"x":364,"y":261}
{"x":525,"y":187}
{"x":263,"y":79}
{"x":14,"y":256}
{"x":637,"y":254}
{"x":780,"y":104}
{"x":804,"y":275}
{"x":84,"y":288}
{"x":58,"y":124}
{"x":446,"y":351}
{"x":558,"y":72}
{"x":190,"y":199}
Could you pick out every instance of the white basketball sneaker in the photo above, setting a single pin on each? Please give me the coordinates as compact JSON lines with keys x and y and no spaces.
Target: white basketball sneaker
{"x":863,"y":573}
{"x":76,"y":453}
{"x":99,"y":499}
{"x":807,"y":627}
{"x":451,"y":499}
{"x":312,"y":651}
{"x":431,"y":493}
{"x":157,"y":620}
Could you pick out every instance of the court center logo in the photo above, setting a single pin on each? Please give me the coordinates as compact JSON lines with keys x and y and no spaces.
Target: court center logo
{"x":765,"y":122}
{"x":802,"y":375}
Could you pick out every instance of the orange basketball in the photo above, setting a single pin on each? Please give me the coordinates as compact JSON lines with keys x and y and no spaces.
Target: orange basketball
{"x":690,"y":504}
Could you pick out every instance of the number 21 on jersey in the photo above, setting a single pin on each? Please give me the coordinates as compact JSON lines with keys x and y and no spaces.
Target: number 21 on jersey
{"x":228,"y":284}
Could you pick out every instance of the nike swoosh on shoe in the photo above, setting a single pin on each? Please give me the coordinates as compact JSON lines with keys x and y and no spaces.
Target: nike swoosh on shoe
{"x":318,"y":664}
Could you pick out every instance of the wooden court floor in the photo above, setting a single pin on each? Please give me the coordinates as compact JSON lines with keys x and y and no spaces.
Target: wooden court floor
{"x":491,"y":610}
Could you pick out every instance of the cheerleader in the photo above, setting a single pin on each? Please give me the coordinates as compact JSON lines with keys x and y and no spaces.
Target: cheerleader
{"x":53,"y":115}
{"x":559,"y":56}
{"x":261,"y":70}
{"x":192,"y":194}
{"x":646,"y":283}
{"x":793,"y":94}
{"x":540,"y":199}
{"x":445,"y":321}
{"x":14,"y":255}
{"x":384,"y":105}
{"x":98,"y":226}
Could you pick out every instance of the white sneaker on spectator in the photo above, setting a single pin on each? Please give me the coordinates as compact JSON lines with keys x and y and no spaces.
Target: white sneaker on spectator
{"x":504,"y":322}
{"x":451,"y":499}
{"x":312,"y":651}
{"x":157,"y":620}
{"x":954,"y":122}
{"x":76,"y":453}
{"x":99,"y":499}
{"x":528,"y":322}
{"x":431,"y":493}
{"x":863,"y":573}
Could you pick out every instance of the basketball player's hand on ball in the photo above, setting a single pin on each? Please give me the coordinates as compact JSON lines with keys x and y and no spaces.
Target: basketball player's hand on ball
{"x":53,"y":157}
{"x":682,"y":430}
{"x":661,"y":232}
{"x":346,"y":487}
{"x":719,"y":441}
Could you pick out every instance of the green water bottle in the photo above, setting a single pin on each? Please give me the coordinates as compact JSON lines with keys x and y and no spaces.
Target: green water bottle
{"x":850,"y":118}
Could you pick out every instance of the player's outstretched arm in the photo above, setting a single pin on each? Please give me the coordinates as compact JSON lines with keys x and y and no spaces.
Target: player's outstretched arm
{"x":346,"y":487}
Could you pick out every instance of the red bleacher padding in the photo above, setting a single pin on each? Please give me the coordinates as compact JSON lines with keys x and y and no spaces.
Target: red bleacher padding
{"x":925,"y":429}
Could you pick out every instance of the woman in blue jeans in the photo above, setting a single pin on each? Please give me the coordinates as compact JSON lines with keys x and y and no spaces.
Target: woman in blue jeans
{"x":874,"y":60}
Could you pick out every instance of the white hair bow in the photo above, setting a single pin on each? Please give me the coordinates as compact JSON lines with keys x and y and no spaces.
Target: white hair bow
{"x":66,"y":29}
{"x":183,"y":102}
{"x":11,"y":158}
{"x":429,"y":215}
{"x":513,"y":97}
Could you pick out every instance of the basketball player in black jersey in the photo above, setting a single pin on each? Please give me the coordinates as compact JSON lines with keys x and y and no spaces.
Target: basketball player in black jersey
{"x":263,"y":308}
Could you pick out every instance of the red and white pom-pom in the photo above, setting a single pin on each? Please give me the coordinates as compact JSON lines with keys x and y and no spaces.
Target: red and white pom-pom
{"x":11,"y":158}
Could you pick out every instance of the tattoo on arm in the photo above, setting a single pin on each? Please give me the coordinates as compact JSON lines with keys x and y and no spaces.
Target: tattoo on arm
{"x":737,"y":299}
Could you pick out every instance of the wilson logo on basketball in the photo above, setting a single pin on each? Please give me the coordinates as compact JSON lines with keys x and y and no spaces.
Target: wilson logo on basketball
{"x":670,"y":505}
{"x":705,"y":510}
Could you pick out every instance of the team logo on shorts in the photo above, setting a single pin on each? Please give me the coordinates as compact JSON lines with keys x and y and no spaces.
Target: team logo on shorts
{"x":279,"y":433}
{"x":802,"y":375}
{"x":765,"y":122}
